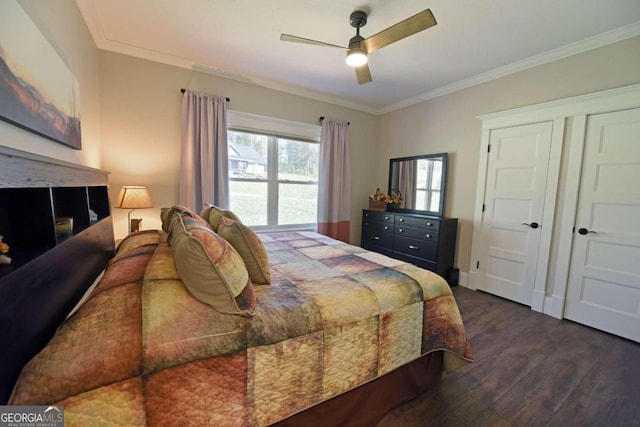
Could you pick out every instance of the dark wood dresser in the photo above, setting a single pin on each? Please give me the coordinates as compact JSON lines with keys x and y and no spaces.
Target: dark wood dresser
{"x":426,"y":241}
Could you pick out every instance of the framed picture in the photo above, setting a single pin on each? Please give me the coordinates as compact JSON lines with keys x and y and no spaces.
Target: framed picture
{"x":38,"y":92}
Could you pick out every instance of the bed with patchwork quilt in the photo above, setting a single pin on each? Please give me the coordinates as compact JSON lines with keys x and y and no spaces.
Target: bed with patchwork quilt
{"x":142,"y":350}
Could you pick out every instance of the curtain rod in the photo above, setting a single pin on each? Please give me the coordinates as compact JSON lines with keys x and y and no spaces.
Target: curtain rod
{"x":322,"y":118}
{"x":183,"y":91}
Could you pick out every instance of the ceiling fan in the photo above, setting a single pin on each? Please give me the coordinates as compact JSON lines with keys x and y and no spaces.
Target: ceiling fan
{"x":359,"y":47}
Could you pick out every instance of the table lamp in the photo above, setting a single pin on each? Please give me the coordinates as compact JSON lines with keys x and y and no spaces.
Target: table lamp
{"x":133,"y":197}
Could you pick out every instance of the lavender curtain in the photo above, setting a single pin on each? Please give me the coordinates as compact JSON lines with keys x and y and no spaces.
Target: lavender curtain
{"x":334,"y":181}
{"x":204,"y":165}
{"x":407,"y":183}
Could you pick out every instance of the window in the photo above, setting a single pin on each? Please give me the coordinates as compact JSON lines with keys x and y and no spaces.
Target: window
{"x":273,"y":179}
{"x":428,"y":195}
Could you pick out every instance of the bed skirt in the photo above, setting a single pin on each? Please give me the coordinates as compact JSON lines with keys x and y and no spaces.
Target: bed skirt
{"x":367,"y":404}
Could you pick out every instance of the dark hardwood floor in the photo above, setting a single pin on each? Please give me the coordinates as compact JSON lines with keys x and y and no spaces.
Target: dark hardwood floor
{"x":530,"y":369}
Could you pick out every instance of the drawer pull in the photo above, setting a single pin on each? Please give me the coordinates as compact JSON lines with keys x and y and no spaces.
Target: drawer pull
{"x":428,"y":236}
{"x":375,"y":237}
{"x":400,"y":230}
{"x":429,"y":224}
{"x":386,"y":227}
{"x":415,"y":248}
{"x":401,"y":219}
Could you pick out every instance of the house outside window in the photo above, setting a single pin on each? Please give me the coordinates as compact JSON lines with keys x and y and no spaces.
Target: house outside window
{"x":273,"y":177}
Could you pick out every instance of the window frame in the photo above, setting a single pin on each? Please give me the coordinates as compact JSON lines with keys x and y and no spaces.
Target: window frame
{"x":274,"y":129}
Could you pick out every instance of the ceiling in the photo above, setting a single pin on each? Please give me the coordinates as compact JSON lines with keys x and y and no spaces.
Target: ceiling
{"x":474,"y":41}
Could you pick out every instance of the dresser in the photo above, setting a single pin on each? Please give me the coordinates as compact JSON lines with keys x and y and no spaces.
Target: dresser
{"x":426,"y":241}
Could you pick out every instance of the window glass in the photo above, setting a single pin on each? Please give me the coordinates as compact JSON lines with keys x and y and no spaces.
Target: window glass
{"x":248,"y":200}
{"x":273,"y":181}
{"x":247,"y":155}
{"x":297,"y":160}
{"x":297,"y":204}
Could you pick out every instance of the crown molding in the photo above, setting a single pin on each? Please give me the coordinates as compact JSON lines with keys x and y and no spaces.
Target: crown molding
{"x":88,"y":12}
{"x":585,"y":45}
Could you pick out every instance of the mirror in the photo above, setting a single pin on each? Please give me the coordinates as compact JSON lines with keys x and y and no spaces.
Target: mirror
{"x":421,"y":180}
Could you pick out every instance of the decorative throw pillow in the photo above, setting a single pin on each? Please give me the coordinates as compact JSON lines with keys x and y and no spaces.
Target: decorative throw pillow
{"x":166,"y":215}
{"x":210,"y":267}
{"x":214,"y":215}
{"x":250,"y":248}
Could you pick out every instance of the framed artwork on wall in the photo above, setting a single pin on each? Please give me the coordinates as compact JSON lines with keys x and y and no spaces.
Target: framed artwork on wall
{"x":38,"y":92}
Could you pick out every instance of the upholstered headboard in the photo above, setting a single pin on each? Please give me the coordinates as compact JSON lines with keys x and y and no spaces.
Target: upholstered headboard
{"x":56,"y":218}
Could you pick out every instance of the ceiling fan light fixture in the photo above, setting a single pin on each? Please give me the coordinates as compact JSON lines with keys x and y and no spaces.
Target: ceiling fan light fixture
{"x":356,"y":57}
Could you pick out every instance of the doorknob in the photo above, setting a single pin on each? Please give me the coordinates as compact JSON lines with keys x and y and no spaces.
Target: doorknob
{"x":532,"y":225}
{"x":584,"y":231}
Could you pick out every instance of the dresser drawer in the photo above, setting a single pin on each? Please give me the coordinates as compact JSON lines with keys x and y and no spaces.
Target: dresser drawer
{"x":417,"y":233}
{"x":416,"y":248}
{"x":376,"y":227}
{"x":375,"y":239}
{"x":381,"y":217}
{"x":413,"y":222}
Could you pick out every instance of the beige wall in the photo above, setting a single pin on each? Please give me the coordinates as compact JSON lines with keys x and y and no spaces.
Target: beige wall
{"x":61,"y":23}
{"x":141,"y":129}
{"x":449,"y":123}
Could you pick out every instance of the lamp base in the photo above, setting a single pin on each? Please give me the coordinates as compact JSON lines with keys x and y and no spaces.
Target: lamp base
{"x":135,"y":225}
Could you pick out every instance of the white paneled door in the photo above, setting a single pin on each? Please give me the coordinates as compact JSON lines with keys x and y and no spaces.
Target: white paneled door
{"x":514,"y":205}
{"x":604,"y":278}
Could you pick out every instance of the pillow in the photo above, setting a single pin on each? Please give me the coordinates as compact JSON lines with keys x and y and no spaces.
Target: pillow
{"x":166,"y":215}
{"x":214,"y":215}
{"x":210,"y":267}
{"x":247,"y":243}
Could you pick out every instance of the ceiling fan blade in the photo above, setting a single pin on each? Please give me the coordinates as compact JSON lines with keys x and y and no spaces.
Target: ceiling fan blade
{"x":363,"y":74}
{"x":406,"y":28}
{"x":296,"y":39}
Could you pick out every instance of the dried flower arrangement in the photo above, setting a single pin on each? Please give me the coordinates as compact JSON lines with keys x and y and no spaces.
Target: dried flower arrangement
{"x":4,"y":248}
{"x":379,"y":199}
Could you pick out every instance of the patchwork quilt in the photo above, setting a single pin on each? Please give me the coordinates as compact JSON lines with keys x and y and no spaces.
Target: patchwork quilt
{"x":142,"y":351}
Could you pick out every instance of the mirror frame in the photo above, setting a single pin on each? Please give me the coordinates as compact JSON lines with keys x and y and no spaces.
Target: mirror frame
{"x":443,"y":189}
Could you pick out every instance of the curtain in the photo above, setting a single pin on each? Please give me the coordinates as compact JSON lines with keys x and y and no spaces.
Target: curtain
{"x":204,"y":165}
{"x":407,"y":183}
{"x":334,"y":180}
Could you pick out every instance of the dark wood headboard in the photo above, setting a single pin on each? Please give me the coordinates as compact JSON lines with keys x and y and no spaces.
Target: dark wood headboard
{"x":52,"y":265}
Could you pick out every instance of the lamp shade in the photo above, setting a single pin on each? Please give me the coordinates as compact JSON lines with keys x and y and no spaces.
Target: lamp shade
{"x":134,"y":197}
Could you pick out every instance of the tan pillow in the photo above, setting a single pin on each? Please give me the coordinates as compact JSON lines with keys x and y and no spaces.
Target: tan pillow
{"x":210,"y":267}
{"x":214,"y":214}
{"x":250,"y":248}
{"x":166,"y":215}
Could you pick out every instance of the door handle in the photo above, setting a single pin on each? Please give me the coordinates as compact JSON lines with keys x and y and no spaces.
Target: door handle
{"x":415,"y":248}
{"x":584,"y":231}
{"x":375,"y":237}
{"x":532,"y":225}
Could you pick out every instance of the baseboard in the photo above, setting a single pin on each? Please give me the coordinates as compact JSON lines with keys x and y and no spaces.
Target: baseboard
{"x":471,"y":280}
{"x":463,"y":279}
{"x":554,"y":306}
{"x":538,"y":301}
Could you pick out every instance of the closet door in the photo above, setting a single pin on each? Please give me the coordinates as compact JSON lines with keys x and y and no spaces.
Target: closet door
{"x":604,"y":277}
{"x":514,"y":205}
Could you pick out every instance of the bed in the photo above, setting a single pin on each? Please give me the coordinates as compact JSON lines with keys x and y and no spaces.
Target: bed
{"x":339,"y":336}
